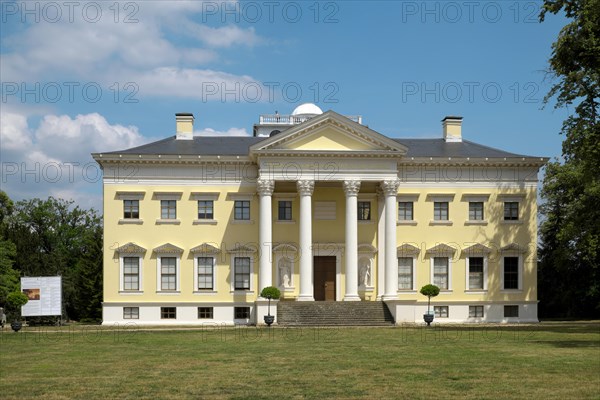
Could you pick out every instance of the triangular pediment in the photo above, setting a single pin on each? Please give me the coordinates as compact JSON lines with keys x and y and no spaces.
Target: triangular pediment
{"x":205,"y":248}
{"x":168,"y":248}
{"x":329,"y":133}
{"x":477,"y":249}
{"x":130,"y":248}
{"x":441,"y":249}
{"x":407,"y":250}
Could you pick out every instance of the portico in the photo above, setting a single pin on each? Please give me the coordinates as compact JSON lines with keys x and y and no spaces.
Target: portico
{"x":329,"y":151}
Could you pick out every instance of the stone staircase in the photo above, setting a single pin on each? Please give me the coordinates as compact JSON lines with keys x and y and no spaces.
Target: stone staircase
{"x":333,"y":313}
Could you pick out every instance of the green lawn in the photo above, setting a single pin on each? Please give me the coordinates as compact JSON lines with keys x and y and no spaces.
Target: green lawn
{"x":558,"y":360}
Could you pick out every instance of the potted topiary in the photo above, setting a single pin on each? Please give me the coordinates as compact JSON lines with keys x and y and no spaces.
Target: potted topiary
{"x":270,"y":292}
{"x":16,"y":300}
{"x":429,"y":291}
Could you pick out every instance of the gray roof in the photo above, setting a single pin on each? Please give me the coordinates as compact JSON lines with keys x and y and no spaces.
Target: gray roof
{"x":239,"y":146}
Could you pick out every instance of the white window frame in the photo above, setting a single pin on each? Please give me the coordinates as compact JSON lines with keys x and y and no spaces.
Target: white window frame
{"x":140,"y":258}
{"x":414,"y":275}
{"x":440,"y":307}
{"x":160,"y":196}
{"x":406,"y":198}
{"x":476,"y":198}
{"x":139,"y":196}
{"x":520,"y":272}
{"x":432,"y":258}
{"x":232,"y":274}
{"x":482,"y":311}
{"x":132,"y":308}
{"x":233,"y":197}
{"x":205,"y":196}
{"x":214,"y":274}
{"x":512,"y":198}
{"x":485,"y":274}
{"x":440,"y":198}
{"x":159,"y":273}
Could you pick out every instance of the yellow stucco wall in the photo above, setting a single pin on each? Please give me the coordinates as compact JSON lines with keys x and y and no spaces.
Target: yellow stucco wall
{"x":227,"y":235}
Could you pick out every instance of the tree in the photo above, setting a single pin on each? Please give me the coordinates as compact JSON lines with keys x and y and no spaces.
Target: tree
{"x":54,"y":237}
{"x":9,"y":277}
{"x":429,"y":291}
{"x":569,"y":282}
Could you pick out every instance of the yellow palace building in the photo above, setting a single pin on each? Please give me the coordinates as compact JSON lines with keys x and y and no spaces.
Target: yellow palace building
{"x":324,"y":208}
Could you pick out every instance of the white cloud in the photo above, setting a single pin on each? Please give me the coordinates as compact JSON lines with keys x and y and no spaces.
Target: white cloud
{"x":228,"y":132}
{"x":108,"y":52}
{"x":14,"y":132}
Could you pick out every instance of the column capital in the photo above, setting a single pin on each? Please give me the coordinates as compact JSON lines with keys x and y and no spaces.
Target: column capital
{"x":351,"y":188}
{"x":265,"y":187}
{"x":305,"y":188}
{"x":390,"y":188}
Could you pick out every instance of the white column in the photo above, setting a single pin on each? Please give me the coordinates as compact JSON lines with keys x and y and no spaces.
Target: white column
{"x":305,"y":189}
{"x":265,"y":234}
{"x":351,"y":189}
{"x":390,"y":190}
{"x":380,"y":242}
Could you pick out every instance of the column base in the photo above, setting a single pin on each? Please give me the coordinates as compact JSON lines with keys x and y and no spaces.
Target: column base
{"x":352,"y":297}
{"x":305,"y":297}
{"x":387,"y":297}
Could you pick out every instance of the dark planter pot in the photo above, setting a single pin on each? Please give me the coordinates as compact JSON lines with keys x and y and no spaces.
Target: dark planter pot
{"x":428,"y":318}
{"x":269,"y":319}
{"x":16,"y":326}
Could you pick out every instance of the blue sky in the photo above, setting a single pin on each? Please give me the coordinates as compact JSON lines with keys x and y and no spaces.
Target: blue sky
{"x":86,"y":77}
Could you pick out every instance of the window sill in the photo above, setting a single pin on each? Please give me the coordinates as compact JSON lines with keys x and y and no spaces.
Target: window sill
{"x":406,"y":222}
{"x":168,"y":292}
{"x":476,"y":222}
{"x":476,"y":291}
{"x":511,"y":222}
{"x":131,"y":292}
{"x":241,"y":222}
{"x":238,"y":292}
{"x":205,"y":222}
{"x":168,"y":222}
{"x":511,"y":291}
{"x":205,"y":292}
{"x":441,"y":223}
{"x":285,"y":221}
{"x":365,"y":221}
{"x":446,"y":291}
{"x":131,"y":221}
{"x":407,"y":291}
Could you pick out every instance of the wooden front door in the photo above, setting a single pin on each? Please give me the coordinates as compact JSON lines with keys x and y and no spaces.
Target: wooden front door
{"x":324,"y":273}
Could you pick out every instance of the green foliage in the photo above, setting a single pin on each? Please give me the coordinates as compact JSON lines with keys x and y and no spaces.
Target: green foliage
{"x":55,"y":237}
{"x":430,"y":291}
{"x":17,"y":299}
{"x":570,"y":233}
{"x":270,"y":291}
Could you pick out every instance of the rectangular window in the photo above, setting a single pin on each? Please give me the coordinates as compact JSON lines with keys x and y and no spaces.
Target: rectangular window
{"x":364,"y":210}
{"x":205,"y":209}
{"x":131,"y":313}
{"x":511,"y":311}
{"x":242,"y":273}
{"x":168,"y":313}
{"x":475,"y":272}
{"x":168,"y":273}
{"x":475,"y":311}
{"x":205,"y":273}
{"x":241,"y":210}
{"x":405,"y":273}
{"x":131,"y":209}
{"x":511,"y":272}
{"x":284,"y":210}
{"x":440,"y":211}
{"x":440,"y":311}
{"x":168,"y":209}
{"x":131,"y":273}
{"x":476,"y":211}
{"x":205,"y":313}
{"x":405,"y":210}
{"x":511,"y":211}
{"x":440,"y":272}
{"x":242,"y":312}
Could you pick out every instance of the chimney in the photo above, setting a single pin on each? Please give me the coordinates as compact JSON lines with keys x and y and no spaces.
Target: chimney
{"x":452,"y":129}
{"x":185,"y":126}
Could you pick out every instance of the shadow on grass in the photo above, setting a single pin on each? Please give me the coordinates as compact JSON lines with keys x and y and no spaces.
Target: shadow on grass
{"x":570,"y":344}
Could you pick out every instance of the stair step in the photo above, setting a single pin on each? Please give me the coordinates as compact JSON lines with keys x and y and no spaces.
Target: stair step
{"x":329,"y":313}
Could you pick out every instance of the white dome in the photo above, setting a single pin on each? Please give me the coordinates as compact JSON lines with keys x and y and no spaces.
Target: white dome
{"x":307,"y":108}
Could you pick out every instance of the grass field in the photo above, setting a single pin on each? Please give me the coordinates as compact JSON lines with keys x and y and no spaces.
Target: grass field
{"x":558,"y":360}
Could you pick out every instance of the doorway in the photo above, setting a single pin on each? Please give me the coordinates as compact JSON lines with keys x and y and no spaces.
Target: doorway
{"x":324,"y":275}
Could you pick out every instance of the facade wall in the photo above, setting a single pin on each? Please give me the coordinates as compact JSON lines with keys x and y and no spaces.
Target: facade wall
{"x":227,"y":234}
